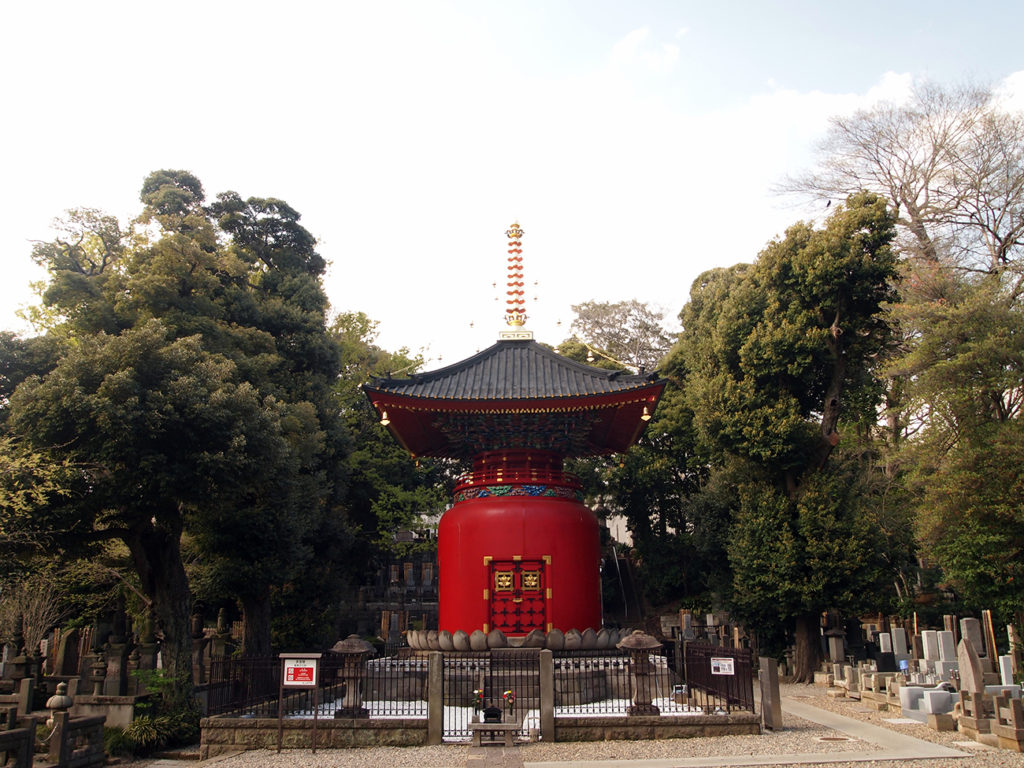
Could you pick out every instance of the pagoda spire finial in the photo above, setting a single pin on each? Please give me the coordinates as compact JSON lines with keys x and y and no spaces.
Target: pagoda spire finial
{"x":515,"y":304}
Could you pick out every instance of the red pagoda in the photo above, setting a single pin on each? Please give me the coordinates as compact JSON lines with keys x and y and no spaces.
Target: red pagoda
{"x":518,"y":550}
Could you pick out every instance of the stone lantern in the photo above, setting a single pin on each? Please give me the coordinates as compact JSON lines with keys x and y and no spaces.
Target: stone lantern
{"x":98,"y":671}
{"x":59,"y":702}
{"x":640,"y":644}
{"x":356,"y":652}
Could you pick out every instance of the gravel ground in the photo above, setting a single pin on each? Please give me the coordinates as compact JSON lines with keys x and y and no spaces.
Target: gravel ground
{"x":798,"y":737}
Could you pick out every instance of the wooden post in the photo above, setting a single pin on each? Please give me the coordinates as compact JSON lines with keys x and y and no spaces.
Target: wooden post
{"x":989,"y":632}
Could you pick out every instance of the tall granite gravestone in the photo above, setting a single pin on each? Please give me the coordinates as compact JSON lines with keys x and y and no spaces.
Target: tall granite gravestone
{"x":899,"y":644}
{"x":885,"y":642}
{"x":977,"y":716}
{"x":970,"y":629}
{"x":947,"y":662}
{"x":972,"y":676}
{"x":930,"y":644}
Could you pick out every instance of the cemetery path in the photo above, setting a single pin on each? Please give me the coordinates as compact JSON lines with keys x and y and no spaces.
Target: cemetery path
{"x":891,"y":746}
{"x":818,"y":731}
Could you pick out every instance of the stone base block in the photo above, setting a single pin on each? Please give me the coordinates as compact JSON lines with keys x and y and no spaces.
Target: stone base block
{"x":941,"y":722}
{"x":972,"y":726}
{"x":1009,"y":738}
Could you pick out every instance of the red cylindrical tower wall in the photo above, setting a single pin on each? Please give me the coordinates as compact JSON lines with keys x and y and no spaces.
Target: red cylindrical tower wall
{"x":503,"y":523}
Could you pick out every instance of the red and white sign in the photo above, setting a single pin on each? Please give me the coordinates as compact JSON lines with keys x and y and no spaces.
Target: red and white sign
{"x":300,"y":673}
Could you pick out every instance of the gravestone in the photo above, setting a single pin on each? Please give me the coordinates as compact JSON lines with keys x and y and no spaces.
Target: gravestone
{"x":1006,"y":670}
{"x":689,"y":631}
{"x":947,"y":646}
{"x":970,"y":629}
{"x":930,"y":644}
{"x":836,"y":647}
{"x":899,"y":643}
{"x":972,"y":676}
{"x":885,"y":642}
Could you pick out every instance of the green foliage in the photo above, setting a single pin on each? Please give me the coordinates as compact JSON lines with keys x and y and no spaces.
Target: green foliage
{"x":772,"y":350}
{"x":778,"y":363}
{"x":115,"y":742}
{"x":184,"y":389}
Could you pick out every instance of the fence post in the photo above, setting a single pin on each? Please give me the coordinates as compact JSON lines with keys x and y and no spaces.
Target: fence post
{"x":547,"y":695}
{"x":435,"y":698}
{"x":58,"y":739}
{"x":25,"y":695}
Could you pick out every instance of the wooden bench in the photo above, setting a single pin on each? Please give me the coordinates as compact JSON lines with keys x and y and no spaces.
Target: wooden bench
{"x":495,"y":732}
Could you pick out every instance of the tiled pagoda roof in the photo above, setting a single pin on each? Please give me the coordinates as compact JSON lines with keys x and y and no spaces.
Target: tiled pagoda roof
{"x":513,"y":370}
{"x":516,"y":394}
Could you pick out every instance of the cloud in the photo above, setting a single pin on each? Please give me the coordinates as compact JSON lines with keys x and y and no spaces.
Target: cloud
{"x":1010,"y":92}
{"x":637,"y":50}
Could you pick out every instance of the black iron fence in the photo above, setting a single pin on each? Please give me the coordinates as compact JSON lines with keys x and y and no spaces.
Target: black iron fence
{"x":392,"y":685}
{"x":506,"y":680}
{"x":718,"y":678}
{"x":585,"y":683}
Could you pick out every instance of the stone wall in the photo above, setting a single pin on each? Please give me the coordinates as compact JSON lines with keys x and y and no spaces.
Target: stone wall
{"x":664,"y":727}
{"x":225,"y":735}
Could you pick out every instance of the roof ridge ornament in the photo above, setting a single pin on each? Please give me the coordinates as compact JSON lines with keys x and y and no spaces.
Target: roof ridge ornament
{"x":515,"y":304}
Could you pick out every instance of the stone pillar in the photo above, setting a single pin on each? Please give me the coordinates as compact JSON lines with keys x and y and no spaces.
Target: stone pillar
{"x":116,"y":681}
{"x":435,"y":698}
{"x":771,"y":700}
{"x":547,"y":695}
{"x":57,"y":737}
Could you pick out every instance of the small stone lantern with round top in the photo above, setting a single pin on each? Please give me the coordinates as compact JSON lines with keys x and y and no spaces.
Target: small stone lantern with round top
{"x":356,"y":652}
{"x":640,"y":644}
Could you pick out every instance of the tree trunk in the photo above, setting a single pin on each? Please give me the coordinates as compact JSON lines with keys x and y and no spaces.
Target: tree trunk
{"x":808,"y":653}
{"x":156,"y":552}
{"x":256,"y":625}
{"x":831,"y":408}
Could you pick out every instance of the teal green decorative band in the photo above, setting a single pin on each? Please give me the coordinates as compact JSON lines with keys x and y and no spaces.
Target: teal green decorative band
{"x":551,"y":491}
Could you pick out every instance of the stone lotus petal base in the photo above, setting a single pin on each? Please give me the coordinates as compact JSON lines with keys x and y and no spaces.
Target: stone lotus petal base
{"x":556,"y":640}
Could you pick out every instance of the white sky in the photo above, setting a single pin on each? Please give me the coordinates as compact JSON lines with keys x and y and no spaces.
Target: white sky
{"x":635,"y":142}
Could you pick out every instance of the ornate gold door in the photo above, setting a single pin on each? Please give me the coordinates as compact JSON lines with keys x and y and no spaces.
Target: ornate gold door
{"x":518,"y":595}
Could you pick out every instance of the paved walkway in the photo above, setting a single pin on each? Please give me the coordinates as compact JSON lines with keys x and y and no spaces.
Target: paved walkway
{"x":891,"y":746}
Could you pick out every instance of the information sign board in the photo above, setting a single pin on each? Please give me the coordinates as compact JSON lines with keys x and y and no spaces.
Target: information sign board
{"x":722,"y":666}
{"x":299,"y":673}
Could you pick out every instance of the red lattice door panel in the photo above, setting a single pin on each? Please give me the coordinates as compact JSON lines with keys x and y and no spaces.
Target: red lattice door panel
{"x":518,"y":592}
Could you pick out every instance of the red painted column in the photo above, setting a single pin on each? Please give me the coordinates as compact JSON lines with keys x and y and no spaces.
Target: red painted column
{"x":550,"y":541}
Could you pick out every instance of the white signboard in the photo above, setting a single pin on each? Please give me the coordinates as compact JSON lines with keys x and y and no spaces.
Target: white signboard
{"x":299,"y":673}
{"x":722,"y":666}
